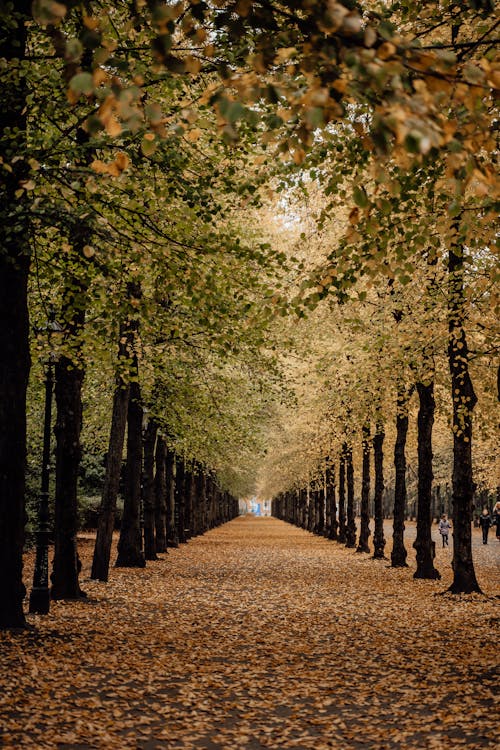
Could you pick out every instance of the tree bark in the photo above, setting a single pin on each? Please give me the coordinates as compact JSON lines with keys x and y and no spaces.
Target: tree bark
{"x":172,"y":535}
{"x":331,"y":502}
{"x":423,"y":543}
{"x":69,"y":376}
{"x":399,"y":553}
{"x":148,"y":490}
{"x":351,"y":521}
{"x":130,"y":554}
{"x":68,"y":390}
{"x":180,"y":499}
{"x":107,"y":510}
{"x":14,"y":330}
{"x":161,"y":495}
{"x":342,"y":538}
{"x":378,"y":455}
{"x":364,"y":532}
{"x":464,"y":401}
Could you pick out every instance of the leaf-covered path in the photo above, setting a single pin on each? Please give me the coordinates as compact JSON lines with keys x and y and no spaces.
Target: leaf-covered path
{"x":257,"y":635}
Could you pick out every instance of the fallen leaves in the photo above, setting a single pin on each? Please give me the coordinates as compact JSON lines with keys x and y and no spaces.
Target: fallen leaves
{"x":257,"y":635}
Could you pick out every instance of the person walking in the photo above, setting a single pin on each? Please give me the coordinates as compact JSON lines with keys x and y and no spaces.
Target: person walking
{"x":485,"y":523}
{"x":444,"y":529}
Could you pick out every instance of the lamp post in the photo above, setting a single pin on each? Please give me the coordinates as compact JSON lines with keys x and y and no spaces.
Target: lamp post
{"x":39,"y":601}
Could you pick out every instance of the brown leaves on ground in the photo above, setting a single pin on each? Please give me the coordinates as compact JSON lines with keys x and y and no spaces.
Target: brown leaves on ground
{"x":258,"y":635}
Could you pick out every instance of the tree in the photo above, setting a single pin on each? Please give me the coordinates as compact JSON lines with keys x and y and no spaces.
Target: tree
{"x":14,"y":328}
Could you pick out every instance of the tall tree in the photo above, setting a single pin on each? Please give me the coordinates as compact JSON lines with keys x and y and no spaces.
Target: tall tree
{"x":148,"y":489}
{"x":423,"y":543}
{"x":114,"y":457}
{"x":399,"y":553}
{"x":364,"y":532}
{"x":378,"y":535}
{"x":464,"y":401}
{"x":14,"y":327}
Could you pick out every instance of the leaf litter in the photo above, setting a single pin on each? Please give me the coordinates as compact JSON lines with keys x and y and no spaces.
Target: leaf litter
{"x":258,"y":635}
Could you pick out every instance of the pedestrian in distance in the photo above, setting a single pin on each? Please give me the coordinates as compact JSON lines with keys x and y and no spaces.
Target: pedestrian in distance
{"x":485,"y":521}
{"x":496,"y":518}
{"x":444,"y":529}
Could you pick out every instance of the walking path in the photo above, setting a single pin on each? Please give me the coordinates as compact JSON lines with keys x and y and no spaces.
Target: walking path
{"x":258,"y":635}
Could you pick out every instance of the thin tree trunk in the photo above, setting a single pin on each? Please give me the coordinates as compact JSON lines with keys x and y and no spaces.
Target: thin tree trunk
{"x":172,"y":535}
{"x":180,"y":499}
{"x":14,"y":328}
{"x":161,"y":495}
{"x":464,"y":401}
{"x":130,"y":554}
{"x":364,"y":532}
{"x":399,"y":553}
{"x":331,"y":502}
{"x":107,"y":510}
{"x":148,"y":490}
{"x":351,"y":520}
{"x":378,"y":455}
{"x":342,"y":514}
{"x":423,"y":543}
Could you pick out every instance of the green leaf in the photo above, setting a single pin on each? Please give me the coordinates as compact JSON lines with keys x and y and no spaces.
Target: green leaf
{"x":360,"y":196}
{"x":82,"y":83}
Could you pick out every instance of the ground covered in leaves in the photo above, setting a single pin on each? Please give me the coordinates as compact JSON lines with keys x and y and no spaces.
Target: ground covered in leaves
{"x":258,"y":635}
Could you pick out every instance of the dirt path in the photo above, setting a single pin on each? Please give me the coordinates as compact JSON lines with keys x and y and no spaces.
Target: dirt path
{"x":258,"y":635}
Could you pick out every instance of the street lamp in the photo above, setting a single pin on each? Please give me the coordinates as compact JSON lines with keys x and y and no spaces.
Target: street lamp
{"x":39,"y":602}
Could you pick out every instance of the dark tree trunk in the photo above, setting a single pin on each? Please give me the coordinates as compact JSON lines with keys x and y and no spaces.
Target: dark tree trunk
{"x":161,"y":496}
{"x":378,"y":455}
{"x":423,"y":543}
{"x":180,"y":499}
{"x":66,"y":568}
{"x":148,"y":490}
{"x":399,"y":553}
{"x":342,"y":514}
{"x":172,"y":535}
{"x":331,"y":502}
{"x":320,"y":504}
{"x":130,"y":554}
{"x":350,"y":540}
{"x":364,"y":531}
{"x":189,"y":493}
{"x":14,"y":328}
{"x":464,"y":401}
{"x":69,"y":375}
{"x":107,"y":510}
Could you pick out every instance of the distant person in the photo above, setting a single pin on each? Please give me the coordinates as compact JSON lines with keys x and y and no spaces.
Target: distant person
{"x":485,"y":521}
{"x":444,"y":529}
{"x":496,"y":518}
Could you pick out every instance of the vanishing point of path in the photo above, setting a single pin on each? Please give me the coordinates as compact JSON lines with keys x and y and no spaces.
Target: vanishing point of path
{"x":257,"y":635}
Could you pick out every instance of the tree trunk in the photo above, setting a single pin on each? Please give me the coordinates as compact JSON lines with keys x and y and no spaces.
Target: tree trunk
{"x":351,"y":521}
{"x":399,"y":553}
{"x":172,"y":535}
{"x":331,"y":502}
{"x":423,"y":543}
{"x":342,"y":515}
{"x":189,"y":493}
{"x":148,"y":490}
{"x":180,"y":499}
{"x":69,"y":375}
{"x":14,"y":329}
{"x":161,"y":495}
{"x":378,"y":455}
{"x":130,"y":554}
{"x":107,"y":510}
{"x":364,"y":532}
{"x":464,"y":401}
